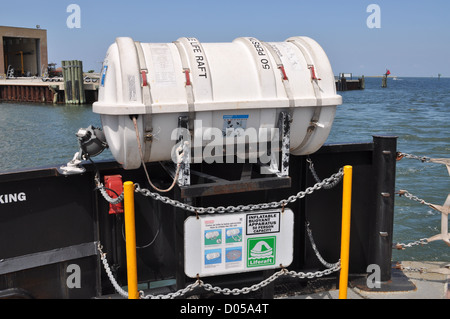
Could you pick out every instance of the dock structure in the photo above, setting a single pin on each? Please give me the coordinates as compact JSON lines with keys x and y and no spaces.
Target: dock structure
{"x":25,"y":75}
{"x":23,"y":51}
{"x":345,"y":82}
{"x":38,"y":91}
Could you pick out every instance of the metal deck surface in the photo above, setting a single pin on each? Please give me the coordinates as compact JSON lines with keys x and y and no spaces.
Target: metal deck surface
{"x":433,"y":282}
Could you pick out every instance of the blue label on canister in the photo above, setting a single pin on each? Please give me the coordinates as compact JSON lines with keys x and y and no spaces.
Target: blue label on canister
{"x":104,"y":75}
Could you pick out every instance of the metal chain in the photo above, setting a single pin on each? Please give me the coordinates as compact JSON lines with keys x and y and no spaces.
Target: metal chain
{"x":423,"y":159}
{"x":316,"y":274}
{"x":216,"y":289}
{"x":172,"y":295}
{"x":124,"y":293}
{"x":232,"y":209}
{"x":327,"y":183}
{"x":108,"y":198}
{"x":244,"y":290}
{"x":119,"y":289}
{"x":105,"y":195}
{"x":316,"y":177}
{"x":410,"y":196}
{"x":401,"y":246}
{"x":265,"y":282}
{"x":421,"y":269}
{"x":422,"y":241}
{"x":316,"y":251}
{"x":412,"y":269}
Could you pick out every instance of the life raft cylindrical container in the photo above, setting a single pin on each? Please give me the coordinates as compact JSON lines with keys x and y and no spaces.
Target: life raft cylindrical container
{"x":244,"y":84}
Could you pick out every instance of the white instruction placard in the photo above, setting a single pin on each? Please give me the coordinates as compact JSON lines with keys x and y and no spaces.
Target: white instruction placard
{"x":238,"y":242}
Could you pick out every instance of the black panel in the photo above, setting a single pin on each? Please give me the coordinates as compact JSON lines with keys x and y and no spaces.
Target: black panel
{"x":58,"y":211}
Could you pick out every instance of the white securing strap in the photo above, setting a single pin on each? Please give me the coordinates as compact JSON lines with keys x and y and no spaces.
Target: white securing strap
{"x":315,"y":83}
{"x":189,"y":90}
{"x":284,"y":77}
{"x":147,"y":99}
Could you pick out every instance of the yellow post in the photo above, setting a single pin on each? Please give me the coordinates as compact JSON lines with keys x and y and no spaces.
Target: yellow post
{"x":345,"y":233}
{"x":130,"y":237}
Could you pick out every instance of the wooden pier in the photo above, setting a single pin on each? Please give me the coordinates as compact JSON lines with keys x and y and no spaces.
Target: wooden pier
{"x":345,"y":82}
{"x":37,"y":91}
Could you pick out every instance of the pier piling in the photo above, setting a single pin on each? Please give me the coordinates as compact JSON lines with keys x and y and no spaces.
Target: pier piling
{"x":384,"y":81}
{"x":73,"y":82}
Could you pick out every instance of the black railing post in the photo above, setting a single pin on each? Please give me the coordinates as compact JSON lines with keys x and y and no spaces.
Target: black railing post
{"x":384,"y":162}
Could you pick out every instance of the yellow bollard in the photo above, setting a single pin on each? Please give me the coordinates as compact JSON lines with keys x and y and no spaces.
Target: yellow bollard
{"x":130,"y":237}
{"x":345,"y":233}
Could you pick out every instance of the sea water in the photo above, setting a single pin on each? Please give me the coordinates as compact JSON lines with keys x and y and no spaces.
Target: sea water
{"x":416,"y":110}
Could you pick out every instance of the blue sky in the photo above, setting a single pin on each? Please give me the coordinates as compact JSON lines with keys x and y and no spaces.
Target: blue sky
{"x":414,"y":38}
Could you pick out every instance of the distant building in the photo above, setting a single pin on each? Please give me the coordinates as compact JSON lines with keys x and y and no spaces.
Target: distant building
{"x":24,"y":50}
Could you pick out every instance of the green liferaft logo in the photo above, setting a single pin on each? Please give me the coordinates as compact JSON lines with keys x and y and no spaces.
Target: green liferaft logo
{"x":261,"y":251}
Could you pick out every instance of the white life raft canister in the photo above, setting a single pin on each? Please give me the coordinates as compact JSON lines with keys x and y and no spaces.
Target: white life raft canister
{"x":245,"y":84}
